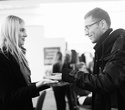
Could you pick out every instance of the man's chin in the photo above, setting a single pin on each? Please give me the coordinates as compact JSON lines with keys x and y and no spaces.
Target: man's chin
{"x":93,"y":41}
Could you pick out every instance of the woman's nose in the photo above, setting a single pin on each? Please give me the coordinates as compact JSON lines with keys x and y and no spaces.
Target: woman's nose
{"x":25,"y":34}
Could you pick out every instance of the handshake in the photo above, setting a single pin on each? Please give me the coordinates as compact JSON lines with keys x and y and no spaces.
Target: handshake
{"x":54,"y":77}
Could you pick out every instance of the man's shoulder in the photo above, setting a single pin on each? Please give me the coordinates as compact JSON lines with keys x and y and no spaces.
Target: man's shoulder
{"x":118,"y":32}
{"x":119,"y":41}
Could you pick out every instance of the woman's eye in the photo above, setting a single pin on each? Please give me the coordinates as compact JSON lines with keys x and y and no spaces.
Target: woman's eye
{"x":22,"y":30}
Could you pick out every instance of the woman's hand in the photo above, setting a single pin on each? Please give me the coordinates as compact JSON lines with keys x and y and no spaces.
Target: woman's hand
{"x":55,"y":76}
{"x":44,"y":81}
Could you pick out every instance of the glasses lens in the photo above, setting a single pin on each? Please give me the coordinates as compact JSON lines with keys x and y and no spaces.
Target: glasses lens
{"x":88,"y":26}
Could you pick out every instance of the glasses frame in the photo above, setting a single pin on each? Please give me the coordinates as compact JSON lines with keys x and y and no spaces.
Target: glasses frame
{"x":90,"y":25}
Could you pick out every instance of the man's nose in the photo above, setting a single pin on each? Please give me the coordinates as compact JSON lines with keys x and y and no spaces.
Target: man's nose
{"x":86,"y":32}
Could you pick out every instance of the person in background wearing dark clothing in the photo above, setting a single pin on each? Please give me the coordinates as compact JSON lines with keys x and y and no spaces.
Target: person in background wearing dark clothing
{"x":68,"y":91}
{"x":62,"y":91}
{"x":16,"y":89}
{"x":82,"y":63}
{"x":82,"y":58}
{"x":57,"y":66}
{"x":73,"y":64}
{"x":84,"y":96}
{"x":86,"y":61}
{"x":74,"y":59}
{"x":59,"y":91}
{"x":107,"y":81}
{"x":67,"y":61}
{"x":70,"y":62}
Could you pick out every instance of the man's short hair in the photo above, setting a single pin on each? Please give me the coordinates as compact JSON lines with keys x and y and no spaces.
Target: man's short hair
{"x":99,"y":14}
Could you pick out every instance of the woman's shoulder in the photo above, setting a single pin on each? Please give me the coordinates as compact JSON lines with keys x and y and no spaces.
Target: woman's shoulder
{"x":4,"y":56}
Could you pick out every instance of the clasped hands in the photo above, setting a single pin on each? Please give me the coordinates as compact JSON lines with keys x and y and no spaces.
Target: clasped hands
{"x":49,"y":79}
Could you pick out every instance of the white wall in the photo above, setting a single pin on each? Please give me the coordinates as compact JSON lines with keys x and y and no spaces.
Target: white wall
{"x":34,"y":45}
{"x":54,"y":42}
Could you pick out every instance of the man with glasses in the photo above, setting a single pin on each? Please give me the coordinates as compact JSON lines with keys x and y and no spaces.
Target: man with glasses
{"x":107,"y":81}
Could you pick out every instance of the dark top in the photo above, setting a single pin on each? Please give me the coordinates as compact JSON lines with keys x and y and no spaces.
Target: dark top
{"x":15,"y":94}
{"x":57,"y":68}
{"x":66,"y":65}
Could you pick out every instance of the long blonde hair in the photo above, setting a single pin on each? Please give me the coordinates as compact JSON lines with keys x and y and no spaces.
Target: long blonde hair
{"x":9,"y":38}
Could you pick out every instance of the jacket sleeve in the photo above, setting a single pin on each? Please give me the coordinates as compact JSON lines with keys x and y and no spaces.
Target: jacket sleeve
{"x":111,"y":78}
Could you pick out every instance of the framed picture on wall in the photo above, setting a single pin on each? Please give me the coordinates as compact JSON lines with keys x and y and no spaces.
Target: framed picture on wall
{"x":49,"y":53}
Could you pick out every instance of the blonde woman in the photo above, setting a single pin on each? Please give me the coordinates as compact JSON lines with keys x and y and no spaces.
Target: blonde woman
{"x":16,"y":89}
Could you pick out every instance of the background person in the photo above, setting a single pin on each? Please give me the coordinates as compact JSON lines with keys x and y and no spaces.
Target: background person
{"x":57,"y":65}
{"x":84,"y":96}
{"x":73,"y":65}
{"x":107,"y":81}
{"x":62,"y":91}
{"x":59,"y":91}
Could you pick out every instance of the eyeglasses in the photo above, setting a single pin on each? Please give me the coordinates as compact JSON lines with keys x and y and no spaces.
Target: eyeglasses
{"x":88,"y":26}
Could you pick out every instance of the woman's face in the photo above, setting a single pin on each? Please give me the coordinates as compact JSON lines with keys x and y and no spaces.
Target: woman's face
{"x":22,"y":34}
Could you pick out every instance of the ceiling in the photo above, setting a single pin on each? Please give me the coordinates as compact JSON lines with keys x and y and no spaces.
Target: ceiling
{"x":13,"y":4}
{"x":59,"y":1}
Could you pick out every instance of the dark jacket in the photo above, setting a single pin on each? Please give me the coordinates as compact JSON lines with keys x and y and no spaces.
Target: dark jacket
{"x":14,"y":92}
{"x":57,"y":68}
{"x":107,"y":82}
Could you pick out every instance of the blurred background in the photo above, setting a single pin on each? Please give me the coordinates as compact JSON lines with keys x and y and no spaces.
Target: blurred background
{"x":54,"y":25}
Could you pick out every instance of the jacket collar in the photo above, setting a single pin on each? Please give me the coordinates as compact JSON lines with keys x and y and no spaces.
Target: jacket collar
{"x":103,"y":38}
{"x":109,"y":37}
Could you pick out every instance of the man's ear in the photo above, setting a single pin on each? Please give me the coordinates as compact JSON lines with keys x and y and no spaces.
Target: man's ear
{"x":103,"y":24}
